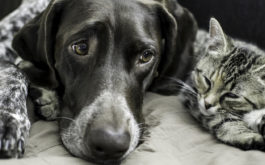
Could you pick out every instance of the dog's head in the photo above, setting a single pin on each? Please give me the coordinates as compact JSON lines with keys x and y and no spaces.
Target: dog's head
{"x":104,"y":55}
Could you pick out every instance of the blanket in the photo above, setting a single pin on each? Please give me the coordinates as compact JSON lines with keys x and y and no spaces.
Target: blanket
{"x":175,"y":139}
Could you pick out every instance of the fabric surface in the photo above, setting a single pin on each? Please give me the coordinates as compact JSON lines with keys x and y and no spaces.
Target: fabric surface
{"x":175,"y":139}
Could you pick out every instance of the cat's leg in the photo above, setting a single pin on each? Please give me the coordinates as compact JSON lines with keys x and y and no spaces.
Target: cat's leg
{"x":46,"y":102}
{"x":14,"y":121}
{"x":234,"y":131}
{"x":256,"y":121}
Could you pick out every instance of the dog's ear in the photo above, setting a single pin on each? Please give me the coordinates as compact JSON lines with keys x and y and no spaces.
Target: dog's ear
{"x":179,"y":30}
{"x":35,"y":43}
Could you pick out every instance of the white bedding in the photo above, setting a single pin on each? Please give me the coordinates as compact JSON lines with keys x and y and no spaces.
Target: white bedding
{"x":175,"y":139}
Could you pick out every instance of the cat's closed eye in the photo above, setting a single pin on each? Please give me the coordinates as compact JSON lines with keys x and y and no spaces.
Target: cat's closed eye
{"x":231,"y":101}
{"x":203,"y":84}
{"x":230,"y":95}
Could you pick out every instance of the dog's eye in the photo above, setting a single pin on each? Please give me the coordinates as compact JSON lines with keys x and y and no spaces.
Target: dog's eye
{"x":146,"y":56}
{"x":80,"y":48}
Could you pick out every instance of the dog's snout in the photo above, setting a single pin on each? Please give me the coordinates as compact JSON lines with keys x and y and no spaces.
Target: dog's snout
{"x":108,"y":143}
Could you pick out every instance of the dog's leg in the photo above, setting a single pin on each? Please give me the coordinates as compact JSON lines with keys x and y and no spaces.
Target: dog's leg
{"x":46,"y":102}
{"x":14,"y":121}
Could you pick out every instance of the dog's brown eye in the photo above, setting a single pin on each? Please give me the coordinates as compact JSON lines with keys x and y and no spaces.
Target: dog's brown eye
{"x":80,"y":48}
{"x":146,"y":56}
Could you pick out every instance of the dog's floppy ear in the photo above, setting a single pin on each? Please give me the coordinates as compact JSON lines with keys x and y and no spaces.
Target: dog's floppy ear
{"x":35,"y":43}
{"x":179,"y":30}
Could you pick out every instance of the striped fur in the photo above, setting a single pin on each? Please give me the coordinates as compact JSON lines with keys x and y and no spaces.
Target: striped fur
{"x":226,"y":89}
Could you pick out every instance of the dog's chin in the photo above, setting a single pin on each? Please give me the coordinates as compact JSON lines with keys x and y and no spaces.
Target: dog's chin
{"x":86,"y":155}
{"x":105,"y":162}
{"x":73,"y":140}
{"x":75,"y":146}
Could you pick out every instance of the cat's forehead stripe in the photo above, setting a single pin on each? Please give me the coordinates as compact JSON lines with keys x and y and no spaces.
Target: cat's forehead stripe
{"x":238,"y":63}
{"x":259,"y":68}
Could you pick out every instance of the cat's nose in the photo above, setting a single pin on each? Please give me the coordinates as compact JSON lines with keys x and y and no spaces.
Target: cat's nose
{"x":207,"y":105}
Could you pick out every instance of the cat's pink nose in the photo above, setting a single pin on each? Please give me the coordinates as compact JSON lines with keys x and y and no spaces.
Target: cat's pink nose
{"x":207,"y":105}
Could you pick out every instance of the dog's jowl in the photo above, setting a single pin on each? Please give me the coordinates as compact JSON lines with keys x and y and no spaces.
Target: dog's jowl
{"x":102,"y":55}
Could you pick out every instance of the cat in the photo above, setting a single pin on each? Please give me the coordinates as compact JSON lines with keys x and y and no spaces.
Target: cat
{"x":226,"y":89}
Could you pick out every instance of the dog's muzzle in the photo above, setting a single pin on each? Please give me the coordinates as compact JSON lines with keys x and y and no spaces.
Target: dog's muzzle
{"x":105,"y":130}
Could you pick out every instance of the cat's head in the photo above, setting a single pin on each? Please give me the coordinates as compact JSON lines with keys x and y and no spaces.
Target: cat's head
{"x":230,"y":77}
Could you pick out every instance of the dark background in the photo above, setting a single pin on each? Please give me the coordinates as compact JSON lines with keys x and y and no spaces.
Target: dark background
{"x":7,"y":6}
{"x":244,"y":19}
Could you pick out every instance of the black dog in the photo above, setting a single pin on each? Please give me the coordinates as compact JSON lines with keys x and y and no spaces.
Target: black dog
{"x":102,"y":55}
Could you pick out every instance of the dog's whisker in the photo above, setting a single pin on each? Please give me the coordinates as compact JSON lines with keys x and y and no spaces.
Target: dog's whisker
{"x":67,"y":118}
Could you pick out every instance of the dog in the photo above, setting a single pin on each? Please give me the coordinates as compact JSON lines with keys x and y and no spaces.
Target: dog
{"x":101,"y":57}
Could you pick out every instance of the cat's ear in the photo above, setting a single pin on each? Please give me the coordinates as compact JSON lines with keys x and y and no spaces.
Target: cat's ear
{"x":218,"y":39}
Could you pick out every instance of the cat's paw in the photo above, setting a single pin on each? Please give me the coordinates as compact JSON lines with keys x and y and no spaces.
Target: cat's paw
{"x":45,"y":102}
{"x":13,"y":131}
{"x":256,"y":121}
{"x":261,"y":126}
{"x":248,"y":141}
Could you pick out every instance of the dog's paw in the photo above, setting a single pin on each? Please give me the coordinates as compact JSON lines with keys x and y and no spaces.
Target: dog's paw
{"x":45,"y":102}
{"x":13,"y":131}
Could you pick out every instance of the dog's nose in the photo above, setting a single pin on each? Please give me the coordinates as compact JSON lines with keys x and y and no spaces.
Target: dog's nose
{"x":109,"y":143}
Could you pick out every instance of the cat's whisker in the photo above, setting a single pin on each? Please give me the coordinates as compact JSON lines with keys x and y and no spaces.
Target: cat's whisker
{"x":186,"y":88}
{"x":180,"y":82}
{"x":180,"y":85}
{"x":190,"y":92}
{"x":186,"y":91}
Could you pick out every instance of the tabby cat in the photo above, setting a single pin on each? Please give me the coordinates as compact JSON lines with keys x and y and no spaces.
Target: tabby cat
{"x":226,"y":89}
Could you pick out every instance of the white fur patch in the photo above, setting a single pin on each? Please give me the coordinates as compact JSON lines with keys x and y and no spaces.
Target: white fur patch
{"x":259,"y":68}
{"x":254,"y":118}
{"x":261,"y":81}
{"x":204,"y":111}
